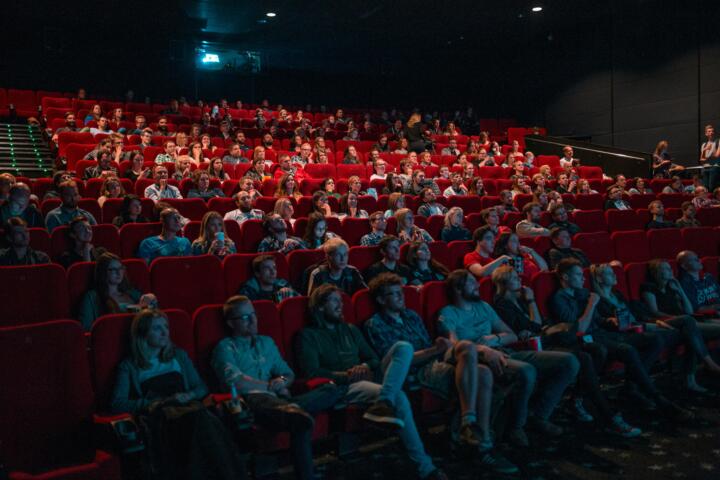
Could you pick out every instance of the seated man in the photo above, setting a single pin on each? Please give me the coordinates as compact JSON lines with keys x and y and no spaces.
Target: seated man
{"x":457,"y":187}
{"x":104,"y":168}
{"x":439,"y":366}
{"x":245,"y":211}
{"x":480,"y":261}
{"x":688,"y":216}
{"x":530,"y":227}
{"x":80,"y":247}
{"x":562,"y":248}
{"x":378,"y":225}
{"x":418,"y":183}
{"x":168,"y":243}
{"x":336,"y":270}
{"x":573,"y":309}
{"x":565,"y":184}
{"x":285,"y":166}
{"x":304,"y":157}
{"x":467,"y":317}
{"x":506,"y":201}
{"x":19,"y":251}
{"x":701,"y":289}
{"x":657,"y":210}
{"x":235,"y":155}
{"x":251,"y":365}
{"x":19,"y":205}
{"x":390,"y":262}
{"x":560,"y":219}
{"x":68,"y":210}
{"x":615,"y":200}
{"x":161,"y":188}
{"x":265,"y":284}
{"x":451,"y":149}
{"x":429,"y":205}
{"x":276,"y":237}
{"x":103,"y":146}
{"x":331,"y":348}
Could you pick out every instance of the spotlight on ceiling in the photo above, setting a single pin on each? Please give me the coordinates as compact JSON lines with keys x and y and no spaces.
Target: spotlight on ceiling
{"x":537,"y":9}
{"x":271,"y":14}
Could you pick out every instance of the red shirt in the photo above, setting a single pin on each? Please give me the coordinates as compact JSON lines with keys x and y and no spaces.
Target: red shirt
{"x":474,"y":257}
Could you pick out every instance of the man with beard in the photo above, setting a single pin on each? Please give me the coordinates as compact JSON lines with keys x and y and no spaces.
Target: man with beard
{"x":245,"y":211}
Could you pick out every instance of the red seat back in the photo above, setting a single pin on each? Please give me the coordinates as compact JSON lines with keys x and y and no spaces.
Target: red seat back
{"x":590,"y":220}
{"x":299,"y":260}
{"x":237,"y":269}
{"x":132,"y":234}
{"x":705,"y":241}
{"x":596,"y":246}
{"x":630,"y":246}
{"x":619,"y":220}
{"x":544,"y":284}
{"x":33,"y":294}
{"x":664,"y":242}
{"x":187,"y":282}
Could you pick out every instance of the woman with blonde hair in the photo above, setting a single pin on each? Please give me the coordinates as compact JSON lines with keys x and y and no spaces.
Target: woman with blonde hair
{"x":407,"y":231}
{"x":213,"y":239}
{"x":159,"y":383}
{"x":662,"y":164}
{"x":454,"y":228}
{"x":284,"y":208}
{"x":413,"y":131}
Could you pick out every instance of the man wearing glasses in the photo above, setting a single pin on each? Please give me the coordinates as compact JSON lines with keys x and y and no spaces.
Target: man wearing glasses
{"x":251,"y":364}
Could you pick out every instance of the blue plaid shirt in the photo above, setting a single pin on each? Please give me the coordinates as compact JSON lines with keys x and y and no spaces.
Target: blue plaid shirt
{"x":383,"y":331}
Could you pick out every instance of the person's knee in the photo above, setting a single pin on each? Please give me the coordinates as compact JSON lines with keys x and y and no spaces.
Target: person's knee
{"x":403,"y":349}
{"x":466,"y":350}
{"x":526,"y":374}
{"x":571,"y":365}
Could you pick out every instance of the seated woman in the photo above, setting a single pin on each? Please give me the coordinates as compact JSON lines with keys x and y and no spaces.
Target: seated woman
{"x":348,"y":207}
{"x":213,"y":239}
{"x":320,"y":203}
{"x":287,"y":187}
{"x":516,"y":306}
{"x":422,"y":266}
{"x":183,"y":168}
{"x":519,"y":186}
{"x":168,"y":243}
{"x":196,"y":153}
{"x":137,"y":168}
{"x":355,"y":186}
{"x":379,"y":168}
{"x":407,"y":231}
{"x":321,"y":147}
{"x":284,"y":208}
{"x":111,"y":188}
{"x":670,"y":308}
{"x":526,"y":261}
{"x":328,"y":187}
{"x":130,"y":211}
{"x":316,"y":232}
{"x":477,"y":187}
{"x":546,"y":172}
{"x":202,"y":187}
{"x":206,"y":143}
{"x":583,"y":187}
{"x":640,"y":187}
{"x":351,"y":156}
{"x":393,"y":184}
{"x":541,"y":198}
{"x":396,"y":201}
{"x":662,"y":164}
{"x":159,"y":383}
{"x":216,"y":169}
{"x":402,"y":147}
{"x":111,"y":293}
{"x":454,"y":228}
{"x":80,"y":249}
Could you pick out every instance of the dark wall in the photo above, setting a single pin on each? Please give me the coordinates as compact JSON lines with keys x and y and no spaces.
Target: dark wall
{"x":646,"y":72}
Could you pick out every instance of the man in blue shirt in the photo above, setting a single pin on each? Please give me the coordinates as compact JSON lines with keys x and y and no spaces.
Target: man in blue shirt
{"x":167,"y":244}
{"x":63,"y":214}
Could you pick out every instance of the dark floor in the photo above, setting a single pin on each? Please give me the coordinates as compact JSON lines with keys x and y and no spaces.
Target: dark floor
{"x":663,"y":451}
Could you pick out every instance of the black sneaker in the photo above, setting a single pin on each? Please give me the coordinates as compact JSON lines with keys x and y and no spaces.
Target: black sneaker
{"x":383,"y":413}
{"x":296,"y":419}
{"x":496,"y":461}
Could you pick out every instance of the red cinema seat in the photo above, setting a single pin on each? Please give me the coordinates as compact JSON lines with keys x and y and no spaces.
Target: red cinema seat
{"x":521,"y":199}
{"x":641,"y":200}
{"x":590,"y":201}
{"x":65,"y":139}
{"x":105,"y":236}
{"x":320,"y":170}
{"x":711,"y":265}
{"x":708,"y":217}
{"x":237,"y":269}
{"x":209,"y":328}
{"x":110,"y":345}
{"x":221,"y":205}
{"x":353,"y":229}
{"x":630,"y":246}
{"x":192,"y":208}
{"x":25,"y":102}
{"x":39,"y":239}
{"x":623,"y":220}
{"x":590,"y":172}
{"x":132,"y":234}
{"x":46,"y":405}
{"x":299,"y":261}
{"x":457,"y":251}
{"x":596,"y":246}
{"x":75,"y":152}
{"x":544,"y":284}
{"x":664,"y":242}
{"x":635,"y":275}
{"x":433,"y":297}
{"x":187,"y":282}
{"x":511,"y":219}
{"x":434,"y":225}
{"x":673,"y":200}
{"x":590,"y":220}
{"x":252,"y":233}
{"x":469,"y":203}
{"x":705,"y":241}
{"x":347,"y":171}
{"x":552,"y":160}
{"x":111,"y":208}
{"x":362,"y":257}
{"x":33,"y":294}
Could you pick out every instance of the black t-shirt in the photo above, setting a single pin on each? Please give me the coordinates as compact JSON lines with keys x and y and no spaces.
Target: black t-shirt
{"x":668,"y":301}
{"x":379,"y":267}
{"x":516,"y":316}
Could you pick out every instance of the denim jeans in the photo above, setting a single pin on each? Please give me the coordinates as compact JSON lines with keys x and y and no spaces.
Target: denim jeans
{"x":555,"y":371}
{"x":711,"y":174}
{"x":395,"y":366}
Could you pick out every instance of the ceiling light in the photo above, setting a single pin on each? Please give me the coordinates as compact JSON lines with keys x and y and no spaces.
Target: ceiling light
{"x":271,"y":14}
{"x":537,"y":9}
